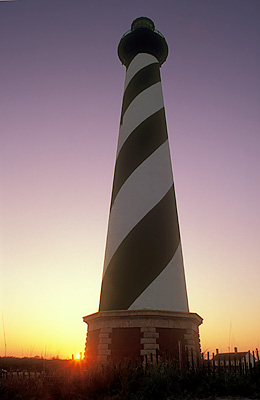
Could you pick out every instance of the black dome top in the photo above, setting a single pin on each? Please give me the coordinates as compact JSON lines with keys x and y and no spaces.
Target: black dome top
{"x":142,"y":22}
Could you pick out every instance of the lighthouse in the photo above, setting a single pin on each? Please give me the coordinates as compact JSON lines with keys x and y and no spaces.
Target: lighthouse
{"x":143,"y":311}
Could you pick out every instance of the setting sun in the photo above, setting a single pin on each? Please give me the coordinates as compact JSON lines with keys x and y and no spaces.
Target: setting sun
{"x":78,"y":356}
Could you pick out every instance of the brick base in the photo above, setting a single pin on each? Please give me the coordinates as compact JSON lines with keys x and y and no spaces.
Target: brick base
{"x":144,"y":335}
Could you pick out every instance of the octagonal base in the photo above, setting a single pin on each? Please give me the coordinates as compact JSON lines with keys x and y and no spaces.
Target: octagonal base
{"x":143,"y":335}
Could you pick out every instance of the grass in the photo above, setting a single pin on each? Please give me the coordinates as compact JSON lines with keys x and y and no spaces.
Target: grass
{"x":66,"y":380}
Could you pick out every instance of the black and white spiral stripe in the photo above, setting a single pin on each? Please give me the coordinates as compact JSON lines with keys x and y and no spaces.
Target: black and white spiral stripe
{"x":143,"y":265}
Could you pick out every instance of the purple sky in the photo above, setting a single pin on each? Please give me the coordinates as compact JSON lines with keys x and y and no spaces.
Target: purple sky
{"x":61,"y":86}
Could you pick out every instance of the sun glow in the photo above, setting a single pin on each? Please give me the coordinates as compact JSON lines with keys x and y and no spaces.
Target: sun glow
{"x":78,"y":356}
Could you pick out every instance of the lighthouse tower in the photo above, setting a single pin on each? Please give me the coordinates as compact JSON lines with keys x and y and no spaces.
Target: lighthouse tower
{"x":143,"y":311}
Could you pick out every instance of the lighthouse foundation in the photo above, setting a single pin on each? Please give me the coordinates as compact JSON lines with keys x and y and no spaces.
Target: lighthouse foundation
{"x":143,"y":336}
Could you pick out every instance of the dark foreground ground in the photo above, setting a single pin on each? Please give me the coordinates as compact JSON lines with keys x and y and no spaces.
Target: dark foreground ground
{"x":37,"y":379}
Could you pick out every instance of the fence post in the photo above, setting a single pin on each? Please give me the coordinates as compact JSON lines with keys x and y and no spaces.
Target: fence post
{"x":257,"y":355}
{"x":192,"y":358}
{"x":187,"y":358}
{"x":249,"y":362}
{"x":240,"y":366}
{"x":245,"y":364}
{"x":253,"y":359}
{"x":208,"y":362}
{"x":180,"y":355}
